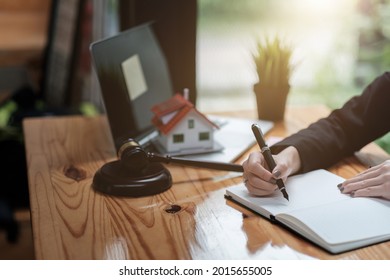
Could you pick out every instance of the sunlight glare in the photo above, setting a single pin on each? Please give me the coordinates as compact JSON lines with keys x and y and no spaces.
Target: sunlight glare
{"x":323,"y":7}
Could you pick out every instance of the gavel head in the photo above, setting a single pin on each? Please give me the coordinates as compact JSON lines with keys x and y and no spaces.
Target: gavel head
{"x":132,"y":156}
{"x":133,"y":174}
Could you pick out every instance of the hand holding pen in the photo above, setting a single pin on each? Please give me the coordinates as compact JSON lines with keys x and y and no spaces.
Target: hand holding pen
{"x":257,"y":177}
{"x":268,"y":157}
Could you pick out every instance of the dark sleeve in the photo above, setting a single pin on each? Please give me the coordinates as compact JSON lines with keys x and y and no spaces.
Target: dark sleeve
{"x":361,"y":120}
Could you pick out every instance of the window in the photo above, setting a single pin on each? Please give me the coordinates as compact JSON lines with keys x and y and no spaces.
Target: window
{"x":203,"y":136}
{"x":178,"y":138}
{"x":191,"y":123}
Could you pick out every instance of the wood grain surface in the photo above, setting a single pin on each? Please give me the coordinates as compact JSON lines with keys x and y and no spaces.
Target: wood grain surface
{"x":192,"y":220}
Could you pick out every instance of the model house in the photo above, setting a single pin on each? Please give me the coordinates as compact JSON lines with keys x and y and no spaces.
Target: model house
{"x":181,"y":126}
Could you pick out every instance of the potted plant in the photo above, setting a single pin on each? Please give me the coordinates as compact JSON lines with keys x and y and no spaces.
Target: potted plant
{"x":273,"y":65}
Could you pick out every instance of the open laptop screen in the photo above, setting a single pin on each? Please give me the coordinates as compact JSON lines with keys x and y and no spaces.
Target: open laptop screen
{"x":133,"y":76}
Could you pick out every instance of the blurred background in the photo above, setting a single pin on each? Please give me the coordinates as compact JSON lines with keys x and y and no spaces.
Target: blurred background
{"x":325,"y":36}
{"x":339,"y":46}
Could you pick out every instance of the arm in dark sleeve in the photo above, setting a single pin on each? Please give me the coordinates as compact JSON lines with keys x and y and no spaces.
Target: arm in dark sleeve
{"x":361,"y":120}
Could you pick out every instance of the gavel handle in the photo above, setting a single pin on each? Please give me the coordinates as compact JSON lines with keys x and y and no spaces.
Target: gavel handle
{"x":195,"y":163}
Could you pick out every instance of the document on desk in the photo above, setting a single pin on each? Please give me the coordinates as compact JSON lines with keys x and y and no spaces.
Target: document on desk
{"x":319,"y":212}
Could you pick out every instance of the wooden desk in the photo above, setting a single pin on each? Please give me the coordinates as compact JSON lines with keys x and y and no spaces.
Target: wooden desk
{"x":71,"y":221}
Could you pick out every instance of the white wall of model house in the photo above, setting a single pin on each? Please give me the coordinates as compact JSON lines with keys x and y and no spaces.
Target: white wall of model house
{"x":191,"y":132}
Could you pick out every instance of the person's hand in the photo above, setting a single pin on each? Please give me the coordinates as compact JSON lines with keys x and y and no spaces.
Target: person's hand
{"x":374,"y":182}
{"x":259,"y":181}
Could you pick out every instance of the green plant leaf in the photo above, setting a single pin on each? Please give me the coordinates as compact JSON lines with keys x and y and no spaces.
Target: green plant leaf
{"x":272,"y":59}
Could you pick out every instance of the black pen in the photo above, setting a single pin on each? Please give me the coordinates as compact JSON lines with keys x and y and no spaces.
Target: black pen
{"x":268,"y":156}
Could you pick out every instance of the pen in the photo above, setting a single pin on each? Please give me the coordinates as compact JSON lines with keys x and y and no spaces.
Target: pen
{"x":268,"y":157}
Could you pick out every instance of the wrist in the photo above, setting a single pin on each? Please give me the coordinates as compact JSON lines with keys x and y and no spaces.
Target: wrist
{"x":292,"y":159}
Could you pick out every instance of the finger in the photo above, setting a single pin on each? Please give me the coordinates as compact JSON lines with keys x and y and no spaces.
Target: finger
{"x":374,"y":191}
{"x":280,"y":171}
{"x":256,"y":158}
{"x":348,"y":187}
{"x":375,"y":171}
{"x":260,"y":183}
{"x":256,"y":177}
{"x":257,"y":186}
{"x":368,"y":174}
{"x":370,"y":169}
{"x":254,"y":167}
{"x":382,"y":167}
{"x":260,"y":191}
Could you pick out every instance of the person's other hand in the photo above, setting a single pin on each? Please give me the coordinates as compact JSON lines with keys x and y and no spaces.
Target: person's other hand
{"x":259,"y":181}
{"x":374,"y":182}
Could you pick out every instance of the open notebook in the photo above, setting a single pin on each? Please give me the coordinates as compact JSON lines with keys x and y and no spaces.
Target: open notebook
{"x":319,"y":212}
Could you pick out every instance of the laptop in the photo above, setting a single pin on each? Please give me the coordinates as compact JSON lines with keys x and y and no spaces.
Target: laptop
{"x":133,"y":77}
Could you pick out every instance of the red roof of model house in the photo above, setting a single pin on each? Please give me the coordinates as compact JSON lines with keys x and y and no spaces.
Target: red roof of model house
{"x":169,"y":113}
